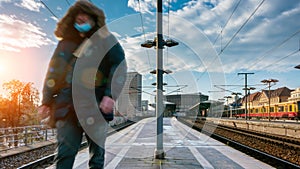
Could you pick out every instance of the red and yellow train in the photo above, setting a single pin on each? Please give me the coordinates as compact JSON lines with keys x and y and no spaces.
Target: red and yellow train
{"x":288,"y":110}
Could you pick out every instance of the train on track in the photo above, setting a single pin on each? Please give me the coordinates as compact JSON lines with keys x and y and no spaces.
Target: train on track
{"x":284,"y":110}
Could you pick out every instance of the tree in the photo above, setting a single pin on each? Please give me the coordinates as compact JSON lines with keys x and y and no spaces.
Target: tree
{"x":23,"y":100}
{"x":4,"y":102}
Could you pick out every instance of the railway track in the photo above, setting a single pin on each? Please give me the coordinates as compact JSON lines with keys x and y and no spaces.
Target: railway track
{"x":278,"y":151}
{"x":19,"y":160}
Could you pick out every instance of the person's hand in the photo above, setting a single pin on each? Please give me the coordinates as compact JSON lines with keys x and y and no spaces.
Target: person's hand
{"x":43,"y":111}
{"x":107,"y":104}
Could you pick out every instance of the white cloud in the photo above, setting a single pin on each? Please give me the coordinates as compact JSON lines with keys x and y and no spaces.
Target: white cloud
{"x":31,"y":5}
{"x":54,"y":18}
{"x":273,"y":22}
{"x":17,"y":34}
{"x":146,"y":6}
{"x":266,"y":29}
{"x":6,"y":1}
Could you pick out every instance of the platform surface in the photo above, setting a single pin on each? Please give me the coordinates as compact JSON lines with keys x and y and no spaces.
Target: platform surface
{"x":185,"y":148}
{"x":133,"y":148}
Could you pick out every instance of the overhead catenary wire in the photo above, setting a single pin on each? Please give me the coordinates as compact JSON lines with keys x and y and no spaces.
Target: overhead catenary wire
{"x":236,"y":33}
{"x":259,"y":59}
{"x":220,"y":34}
{"x":227,"y":44}
{"x":273,"y":49}
{"x":68,"y":2}
{"x":235,"y":8}
{"x":282,"y":58}
{"x":274,"y":63}
{"x":143,"y":30}
{"x":168,"y":35}
{"x":45,"y":5}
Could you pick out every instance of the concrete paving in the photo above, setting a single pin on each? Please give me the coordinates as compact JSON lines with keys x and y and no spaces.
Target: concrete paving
{"x":185,"y":148}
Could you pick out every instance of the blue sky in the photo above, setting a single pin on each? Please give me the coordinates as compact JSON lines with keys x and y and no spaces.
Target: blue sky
{"x":261,"y":37}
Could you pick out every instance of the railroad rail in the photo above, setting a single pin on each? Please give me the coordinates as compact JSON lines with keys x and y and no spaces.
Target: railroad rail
{"x":46,"y":160}
{"x":278,"y":151}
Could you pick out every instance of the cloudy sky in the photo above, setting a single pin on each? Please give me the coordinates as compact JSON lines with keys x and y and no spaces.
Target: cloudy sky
{"x":217,"y":40}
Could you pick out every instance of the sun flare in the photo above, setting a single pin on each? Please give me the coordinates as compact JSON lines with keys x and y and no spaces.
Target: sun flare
{"x":2,"y":69}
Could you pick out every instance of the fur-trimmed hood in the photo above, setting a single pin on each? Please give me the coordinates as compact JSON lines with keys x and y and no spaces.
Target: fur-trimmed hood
{"x":65,"y":25}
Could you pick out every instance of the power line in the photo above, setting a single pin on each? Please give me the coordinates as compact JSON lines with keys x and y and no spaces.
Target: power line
{"x":168,"y":33}
{"x":282,"y":58}
{"x":49,"y":9}
{"x":222,"y":50}
{"x":274,"y":48}
{"x":143,"y":29}
{"x":220,"y":34}
{"x":236,"y":6}
{"x":274,"y":63}
{"x":68,"y":2}
{"x":259,"y":59}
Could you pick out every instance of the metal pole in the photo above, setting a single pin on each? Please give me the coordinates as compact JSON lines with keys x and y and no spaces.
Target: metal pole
{"x":245,"y":91}
{"x":159,"y":151}
{"x":269,"y":97}
{"x":249,"y":93}
{"x":269,"y":102}
{"x":246,"y":110}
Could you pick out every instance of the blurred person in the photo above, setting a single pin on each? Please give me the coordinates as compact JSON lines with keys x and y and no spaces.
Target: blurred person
{"x":83,"y":26}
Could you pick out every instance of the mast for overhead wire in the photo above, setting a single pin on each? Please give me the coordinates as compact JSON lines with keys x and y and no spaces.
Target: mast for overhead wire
{"x":246,"y":74}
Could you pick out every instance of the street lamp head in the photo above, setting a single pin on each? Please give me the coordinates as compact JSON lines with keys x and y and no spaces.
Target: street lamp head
{"x":168,"y":71}
{"x":162,"y":90}
{"x":269,"y":81}
{"x":221,"y":100}
{"x":164,"y":71}
{"x":227,"y":97}
{"x":151,"y":43}
{"x":171,"y":43}
{"x":274,"y":80}
{"x":154,"y":84}
{"x":148,"y":44}
{"x":153,"y":72}
{"x":297,"y":67}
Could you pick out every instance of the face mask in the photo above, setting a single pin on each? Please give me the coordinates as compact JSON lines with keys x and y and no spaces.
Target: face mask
{"x":83,"y":27}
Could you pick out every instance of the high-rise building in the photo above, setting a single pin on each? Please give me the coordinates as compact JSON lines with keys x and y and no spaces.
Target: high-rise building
{"x":144,"y":105}
{"x":129,"y":102}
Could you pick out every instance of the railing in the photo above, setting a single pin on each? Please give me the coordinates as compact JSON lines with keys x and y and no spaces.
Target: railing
{"x":28,"y":135}
{"x":23,"y":136}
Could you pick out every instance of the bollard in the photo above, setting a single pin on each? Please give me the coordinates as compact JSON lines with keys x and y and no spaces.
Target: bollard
{"x":46,"y":135}
{"x":25,"y":139}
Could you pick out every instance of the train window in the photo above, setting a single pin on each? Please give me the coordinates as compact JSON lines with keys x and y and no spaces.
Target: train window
{"x":290,"y":108}
{"x":285,"y":108}
{"x":272,"y":109}
{"x":280,"y":108}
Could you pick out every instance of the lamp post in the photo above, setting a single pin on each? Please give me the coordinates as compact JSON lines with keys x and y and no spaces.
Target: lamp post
{"x":269,"y":81}
{"x":159,"y":43}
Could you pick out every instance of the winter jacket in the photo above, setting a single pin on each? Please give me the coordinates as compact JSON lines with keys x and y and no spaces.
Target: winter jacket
{"x":58,"y":82}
